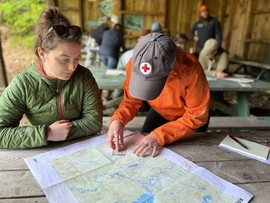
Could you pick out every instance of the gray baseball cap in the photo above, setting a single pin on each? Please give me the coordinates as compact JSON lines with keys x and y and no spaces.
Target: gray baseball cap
{"x":153,"y":58}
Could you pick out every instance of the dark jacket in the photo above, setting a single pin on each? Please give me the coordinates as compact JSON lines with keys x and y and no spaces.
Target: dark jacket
{"x":45,"y":101}
{"x":98,"y":32}
{"x":207,"y":29}
{"x":112,"y":41}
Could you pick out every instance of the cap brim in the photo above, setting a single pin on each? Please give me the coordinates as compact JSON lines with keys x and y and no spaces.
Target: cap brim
{"x":145,"y":89}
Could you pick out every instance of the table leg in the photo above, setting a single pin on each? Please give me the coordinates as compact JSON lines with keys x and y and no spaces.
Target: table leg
{"x":242,"y":107}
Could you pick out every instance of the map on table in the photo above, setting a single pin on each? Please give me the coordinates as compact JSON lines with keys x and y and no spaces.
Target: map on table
{"x":88,"y":172}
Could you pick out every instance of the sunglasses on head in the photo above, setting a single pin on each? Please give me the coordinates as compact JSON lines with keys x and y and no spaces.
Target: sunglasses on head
{"x":64,"y":31}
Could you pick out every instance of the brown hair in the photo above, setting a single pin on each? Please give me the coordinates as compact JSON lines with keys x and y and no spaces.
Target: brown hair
{"x":49,"y":17}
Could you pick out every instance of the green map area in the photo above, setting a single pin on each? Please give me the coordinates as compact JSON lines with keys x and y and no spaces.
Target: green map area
{"x":94,"y":175}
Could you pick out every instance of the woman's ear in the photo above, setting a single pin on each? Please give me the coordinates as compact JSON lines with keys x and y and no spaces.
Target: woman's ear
{"x":41,"y":54}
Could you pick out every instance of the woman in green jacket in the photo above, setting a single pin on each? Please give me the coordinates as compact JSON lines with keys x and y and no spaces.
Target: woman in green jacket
{"x":59,"y":97}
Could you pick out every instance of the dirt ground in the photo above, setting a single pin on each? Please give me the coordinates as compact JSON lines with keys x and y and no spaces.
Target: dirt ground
{"x":18,"y":58}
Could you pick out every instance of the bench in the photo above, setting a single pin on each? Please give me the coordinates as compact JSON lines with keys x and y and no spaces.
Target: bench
{"x":216,"y":123}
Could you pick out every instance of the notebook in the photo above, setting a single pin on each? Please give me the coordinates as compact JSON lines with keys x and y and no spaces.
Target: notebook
{"x":254,"y":150}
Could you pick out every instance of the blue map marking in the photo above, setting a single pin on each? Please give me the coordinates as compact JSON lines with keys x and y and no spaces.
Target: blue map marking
{"x":145,"y":198}
{"x":133,"y":165}
{"x":206,"y":198}
{"x":116,"y":175}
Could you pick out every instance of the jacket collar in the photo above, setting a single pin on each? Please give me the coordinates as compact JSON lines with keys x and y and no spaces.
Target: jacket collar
{"x":49,"y":80}
{"x":41,"y":70}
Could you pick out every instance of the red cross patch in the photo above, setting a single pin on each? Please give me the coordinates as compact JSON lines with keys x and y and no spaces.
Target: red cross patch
{"x":145,"y":68}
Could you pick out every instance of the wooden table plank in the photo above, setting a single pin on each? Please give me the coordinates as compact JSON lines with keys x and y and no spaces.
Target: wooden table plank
{"x":19,"y":184}
{"x":25,"y":200}
{"x":241,"y":171}
{"x":14,"y":159}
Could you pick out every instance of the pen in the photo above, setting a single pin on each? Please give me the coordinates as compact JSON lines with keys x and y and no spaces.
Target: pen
{"x":236,"y":140}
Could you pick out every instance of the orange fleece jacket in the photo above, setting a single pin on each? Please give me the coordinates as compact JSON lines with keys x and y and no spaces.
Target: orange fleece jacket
{"x":184,"y":100}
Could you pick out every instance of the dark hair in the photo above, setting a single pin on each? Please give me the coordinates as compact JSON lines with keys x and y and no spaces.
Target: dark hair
{"x":181,"y":37}
{"x":49,"y":17}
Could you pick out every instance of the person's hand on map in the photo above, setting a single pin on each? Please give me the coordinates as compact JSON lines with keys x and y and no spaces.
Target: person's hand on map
{"x":221,"y":75}
{"x":115,"y":135}
{"x":59,"y":130}
{"x":147,"y":143}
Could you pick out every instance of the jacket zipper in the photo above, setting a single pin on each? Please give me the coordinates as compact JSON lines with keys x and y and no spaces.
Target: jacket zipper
{"x":59,"y":102}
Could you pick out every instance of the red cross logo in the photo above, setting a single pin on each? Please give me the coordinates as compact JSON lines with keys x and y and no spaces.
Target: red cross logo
{"x":145,"y":68}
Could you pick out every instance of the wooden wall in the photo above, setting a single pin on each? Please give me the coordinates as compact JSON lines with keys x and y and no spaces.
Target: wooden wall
{"x":245,"y":23}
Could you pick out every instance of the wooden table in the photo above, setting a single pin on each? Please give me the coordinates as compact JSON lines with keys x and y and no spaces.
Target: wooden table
{"x":18,"y":184}
{"x":111,"y":82}
{"x":243,"y":64}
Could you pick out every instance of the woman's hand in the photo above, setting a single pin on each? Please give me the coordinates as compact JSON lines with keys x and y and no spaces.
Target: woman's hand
{"x":115,"y":135}
{"x":221,"y":75}
{"x":59,"y":130}
{"x":147,"y":143}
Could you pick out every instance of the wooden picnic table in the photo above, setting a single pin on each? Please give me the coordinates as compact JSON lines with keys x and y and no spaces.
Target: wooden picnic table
{"x":243,"y":64}
{"x":111,"y":82}
{"x":18,"y":184}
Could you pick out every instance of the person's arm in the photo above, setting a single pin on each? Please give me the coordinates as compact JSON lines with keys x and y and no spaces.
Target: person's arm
{"x":91,"y":116}
{"x":204,"y":63}
{"x":12,"y":108}
{"x":218,"y":32}
{"x":129,"y":106}
{"x":222,"y":62}
{"x":197,"y":104}
{"x":192,"y":31}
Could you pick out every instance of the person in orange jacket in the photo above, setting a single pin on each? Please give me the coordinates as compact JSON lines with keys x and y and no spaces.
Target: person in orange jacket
{"x":174,"y":85}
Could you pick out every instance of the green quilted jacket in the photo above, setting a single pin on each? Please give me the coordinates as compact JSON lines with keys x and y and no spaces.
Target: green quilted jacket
{"x":45,"y":101}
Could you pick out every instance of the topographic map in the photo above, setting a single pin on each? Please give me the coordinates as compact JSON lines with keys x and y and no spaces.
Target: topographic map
{"x":93,"y":174}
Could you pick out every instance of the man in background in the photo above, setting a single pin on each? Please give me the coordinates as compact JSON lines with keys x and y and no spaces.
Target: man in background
{"x":98,"y":32}
{"x":205,"y":28}
{"x":112,"y":41}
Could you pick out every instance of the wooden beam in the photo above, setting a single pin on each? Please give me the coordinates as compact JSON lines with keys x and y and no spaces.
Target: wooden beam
{"x":251,"y":18}
{"x":261,"y":12}
{"x":259,"y":41}
{"x":81,"y":14}
{"x":3,"y":74}
{"x":231,"y":23}
{"x":142,"y":13}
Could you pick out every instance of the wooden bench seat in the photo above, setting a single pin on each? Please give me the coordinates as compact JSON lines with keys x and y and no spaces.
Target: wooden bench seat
{"x":216,"y":122}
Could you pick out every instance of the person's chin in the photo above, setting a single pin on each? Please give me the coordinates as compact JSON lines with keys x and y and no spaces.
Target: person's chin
{"x":66,"y":77}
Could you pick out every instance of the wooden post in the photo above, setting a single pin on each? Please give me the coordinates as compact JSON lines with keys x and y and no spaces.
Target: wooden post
{"x":251,"y":18}
{"x":3,"y":74}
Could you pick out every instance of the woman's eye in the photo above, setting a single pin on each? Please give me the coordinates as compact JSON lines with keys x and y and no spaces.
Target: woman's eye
{"x":63,"y":60}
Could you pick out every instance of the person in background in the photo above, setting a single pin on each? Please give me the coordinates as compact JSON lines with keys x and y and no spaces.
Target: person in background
{"x":174,"y":85}
{"x":214,"y":59}
{"x":146,"y":32}
{"x":205,"y":28}
{"x":156,"y":27}
{"x":181,"y":41}
{"x":112,"y":41}
{"x":98,"y":32}
{"x":59,"y":97}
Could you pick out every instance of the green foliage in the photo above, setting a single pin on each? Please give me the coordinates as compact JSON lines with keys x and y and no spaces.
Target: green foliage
{"x":22,"y":16}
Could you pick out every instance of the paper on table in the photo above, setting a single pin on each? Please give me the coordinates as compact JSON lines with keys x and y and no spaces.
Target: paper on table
{"x":255,"y":150}
{"x":146,"y":175}
{"x":211,"y":78}
{"x":115,"y":72}
{"x":240,"y":80}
